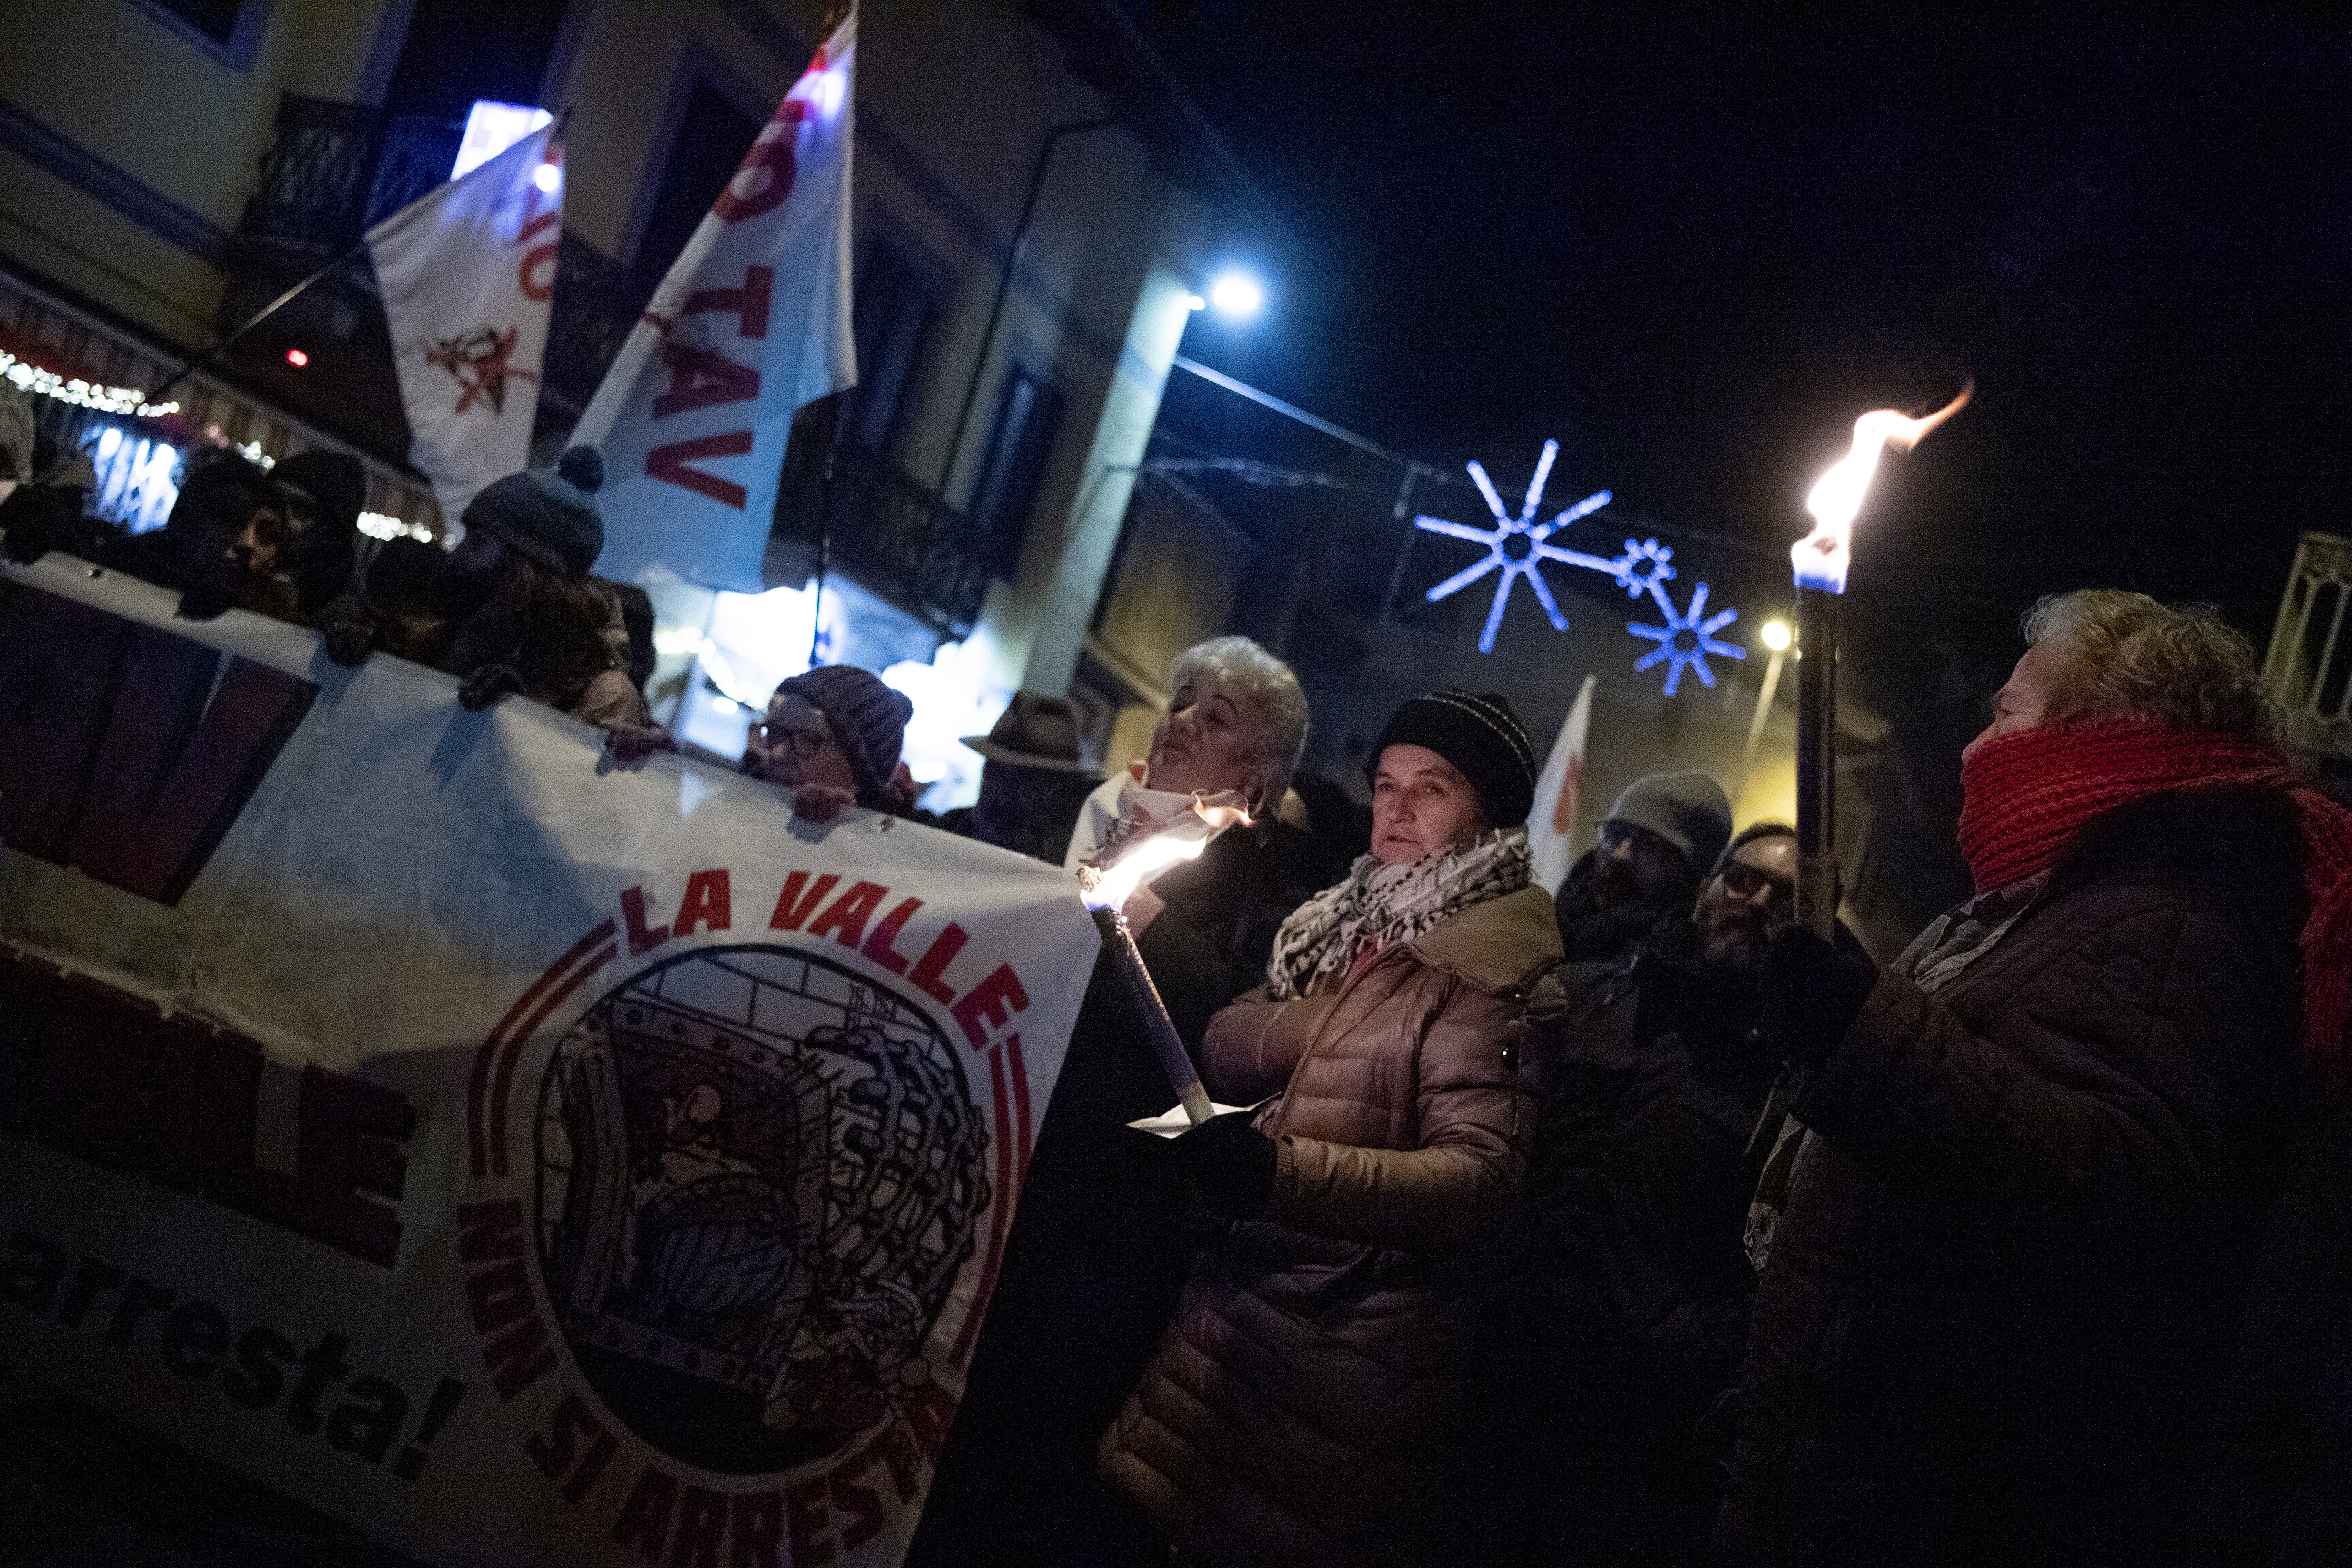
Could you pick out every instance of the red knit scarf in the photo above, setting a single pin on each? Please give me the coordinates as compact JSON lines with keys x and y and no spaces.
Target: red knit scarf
{"x":2027,"y":796}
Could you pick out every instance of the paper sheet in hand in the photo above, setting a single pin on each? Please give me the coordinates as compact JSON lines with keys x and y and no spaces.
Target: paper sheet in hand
{"x":1173,"y":1123}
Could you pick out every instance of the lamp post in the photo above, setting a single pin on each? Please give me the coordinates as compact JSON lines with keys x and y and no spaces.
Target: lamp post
{"x":1776,"y":638}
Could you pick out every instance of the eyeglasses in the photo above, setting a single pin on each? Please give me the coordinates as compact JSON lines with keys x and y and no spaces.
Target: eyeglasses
{"x":1616,"y":836}
{"x":804,"y":743}
{"x":1744,"y":881}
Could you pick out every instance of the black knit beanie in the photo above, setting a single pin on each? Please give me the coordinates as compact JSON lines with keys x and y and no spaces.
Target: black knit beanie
{"x":334,"y":480}
{"x":1479,"y":734}
{"x":868,"y":720}
{"x":549,"y":514}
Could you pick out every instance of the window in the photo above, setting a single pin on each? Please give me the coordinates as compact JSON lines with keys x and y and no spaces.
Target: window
{"x":712,"y":137}
{"x":456,"y":52}
{"x":228,"y":31}
{"x":890,"y":313}
{"x":1028,"y":417}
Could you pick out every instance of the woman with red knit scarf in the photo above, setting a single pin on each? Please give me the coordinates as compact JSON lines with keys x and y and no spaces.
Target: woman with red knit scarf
{"x":2036,"y":1157}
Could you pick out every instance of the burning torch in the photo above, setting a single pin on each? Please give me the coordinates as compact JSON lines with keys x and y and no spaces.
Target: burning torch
{"x":1106,"y":892}
{"x":1821,"y":558}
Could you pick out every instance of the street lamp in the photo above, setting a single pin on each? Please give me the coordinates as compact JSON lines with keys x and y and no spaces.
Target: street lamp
{"x":1236,"y":294}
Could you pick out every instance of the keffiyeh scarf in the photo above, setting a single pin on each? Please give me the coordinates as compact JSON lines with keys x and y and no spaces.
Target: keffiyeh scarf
{"x":1378,"y":906}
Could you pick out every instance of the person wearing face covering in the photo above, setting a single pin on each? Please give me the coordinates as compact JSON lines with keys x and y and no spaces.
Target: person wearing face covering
{"x":1304,"y":1404}
{"x":2041,"y":1170}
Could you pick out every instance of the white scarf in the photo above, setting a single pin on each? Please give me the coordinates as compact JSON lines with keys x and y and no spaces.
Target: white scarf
{"x":1124,"y":808}
{"x":1378,"y":906}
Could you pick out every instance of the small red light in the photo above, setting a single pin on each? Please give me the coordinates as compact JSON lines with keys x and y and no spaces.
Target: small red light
{"x":296,"y":358}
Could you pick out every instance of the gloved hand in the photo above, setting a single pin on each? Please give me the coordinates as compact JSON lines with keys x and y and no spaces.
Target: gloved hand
{"x":205,"y":603}
{"x":485,"y":684}
{"x":348,"y":633}
{"x":33,"y":521}
{"x":1232,"y":1163}
{"x":1812,"y":991}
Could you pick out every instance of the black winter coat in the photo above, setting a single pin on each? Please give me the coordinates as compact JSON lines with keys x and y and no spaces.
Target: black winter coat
{"x":1613,"y":1305}
{"x":2002,"y":1299}
{"x":1099,"y":1248}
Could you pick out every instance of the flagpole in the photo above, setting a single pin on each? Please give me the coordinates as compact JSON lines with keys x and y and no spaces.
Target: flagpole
{"x":348,"y":257}
{"x":823,"y":535}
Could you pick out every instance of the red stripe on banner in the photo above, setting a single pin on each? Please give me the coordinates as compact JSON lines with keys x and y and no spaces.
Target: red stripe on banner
{"x":1020,"y":1101}
{"x":478,"y":1088}
{"x":971,"y":1329}
{"x":503,"y":1080}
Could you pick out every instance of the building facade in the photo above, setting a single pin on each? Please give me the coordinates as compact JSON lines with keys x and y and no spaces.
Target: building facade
{"x":1024,"y":267}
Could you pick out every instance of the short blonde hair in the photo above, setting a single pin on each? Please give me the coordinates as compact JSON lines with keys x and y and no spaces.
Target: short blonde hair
{"x":1277,"y":703}
{"x":2127,"y":657}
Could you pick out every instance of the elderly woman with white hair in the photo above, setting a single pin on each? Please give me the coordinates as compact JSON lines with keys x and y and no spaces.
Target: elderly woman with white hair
{"x":1099,"y":1248}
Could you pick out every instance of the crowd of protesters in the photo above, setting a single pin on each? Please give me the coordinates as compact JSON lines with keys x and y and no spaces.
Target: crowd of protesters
{"x":1643,"y":1225}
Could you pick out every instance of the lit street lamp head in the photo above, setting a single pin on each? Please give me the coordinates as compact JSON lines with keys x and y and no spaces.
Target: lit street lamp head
{"x":1236,"y":294}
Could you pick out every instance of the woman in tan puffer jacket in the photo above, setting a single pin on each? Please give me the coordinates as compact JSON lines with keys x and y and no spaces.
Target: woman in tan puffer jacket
{"x":1301,"y":1402}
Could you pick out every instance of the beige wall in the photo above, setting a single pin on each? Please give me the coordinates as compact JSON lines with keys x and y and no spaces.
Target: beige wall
{"x":953,"y":102}
{"x":127,"y":88}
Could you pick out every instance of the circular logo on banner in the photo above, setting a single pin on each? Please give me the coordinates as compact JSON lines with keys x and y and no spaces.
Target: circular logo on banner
{"x":758,"y":1175}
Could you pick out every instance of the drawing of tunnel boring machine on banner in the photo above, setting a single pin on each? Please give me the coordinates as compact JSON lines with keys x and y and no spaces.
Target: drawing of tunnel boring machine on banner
{"x":433,"y":1132}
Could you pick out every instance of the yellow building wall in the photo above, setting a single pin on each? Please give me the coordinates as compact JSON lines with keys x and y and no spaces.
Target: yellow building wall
{"x":127,"y":88}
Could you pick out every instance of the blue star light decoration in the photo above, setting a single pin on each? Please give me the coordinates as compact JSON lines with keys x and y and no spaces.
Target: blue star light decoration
{"x":1520,"y":546}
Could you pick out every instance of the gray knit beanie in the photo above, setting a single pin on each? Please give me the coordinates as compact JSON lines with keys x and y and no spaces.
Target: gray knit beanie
{"x":1688,"y":810}
{"x":868,"y":720}
{"x":549,"y":514}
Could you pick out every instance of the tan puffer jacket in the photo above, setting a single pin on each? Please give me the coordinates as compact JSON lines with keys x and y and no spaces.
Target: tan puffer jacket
{"x":1300,"y":1405}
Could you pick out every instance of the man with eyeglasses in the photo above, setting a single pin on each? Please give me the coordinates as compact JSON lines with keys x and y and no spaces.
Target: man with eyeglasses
{"x":1616,"y":1301}
{"x":1663,"y":831}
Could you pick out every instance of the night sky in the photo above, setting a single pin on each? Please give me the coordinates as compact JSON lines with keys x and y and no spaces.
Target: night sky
{"x":1692,"y":251}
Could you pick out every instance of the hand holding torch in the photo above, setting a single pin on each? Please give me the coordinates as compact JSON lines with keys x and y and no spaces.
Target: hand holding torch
{"x":1106,"y":892}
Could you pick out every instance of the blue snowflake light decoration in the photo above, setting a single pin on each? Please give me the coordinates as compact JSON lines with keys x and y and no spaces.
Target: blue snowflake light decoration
{"x":1685,"y":639}
{"x":1520,"y":546}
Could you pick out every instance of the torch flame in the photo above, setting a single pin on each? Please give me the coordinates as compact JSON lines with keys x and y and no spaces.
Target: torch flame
{"x":1111,"y":887}
{"x":1822,"y":556}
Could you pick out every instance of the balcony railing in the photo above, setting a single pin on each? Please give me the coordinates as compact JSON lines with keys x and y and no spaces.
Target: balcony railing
{"x":896,"y":537}
{"x":335,"y":169}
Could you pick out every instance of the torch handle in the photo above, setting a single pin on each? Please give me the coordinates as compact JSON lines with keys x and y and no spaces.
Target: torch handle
{"x":1817,"y":635}
{"x":1118,"y":941}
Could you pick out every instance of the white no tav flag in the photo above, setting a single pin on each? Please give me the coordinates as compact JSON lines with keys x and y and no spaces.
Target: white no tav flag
{"x":467,"y":274}
{"x":1551,"y":827}
{"x":751,"y":322}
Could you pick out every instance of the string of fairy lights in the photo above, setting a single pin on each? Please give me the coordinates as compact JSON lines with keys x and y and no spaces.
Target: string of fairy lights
{"x":151,"y":458}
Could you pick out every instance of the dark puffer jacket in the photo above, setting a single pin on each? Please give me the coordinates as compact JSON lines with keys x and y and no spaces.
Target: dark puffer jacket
{"x":2002,"y":1300}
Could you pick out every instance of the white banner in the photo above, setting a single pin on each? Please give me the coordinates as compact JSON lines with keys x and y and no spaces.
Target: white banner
{"x":752,"y":322}
{"x":1551,"y":826}
{"x":412,"y":1124}
{"x":467,"y":274}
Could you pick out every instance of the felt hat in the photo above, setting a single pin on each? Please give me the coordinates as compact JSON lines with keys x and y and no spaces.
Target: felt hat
{"x":1479,"y":734}
{"x":868,"y":720}
{"x":1035,"y":731}
{"x":1688,"y":810}
{"x":549,"y":514}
